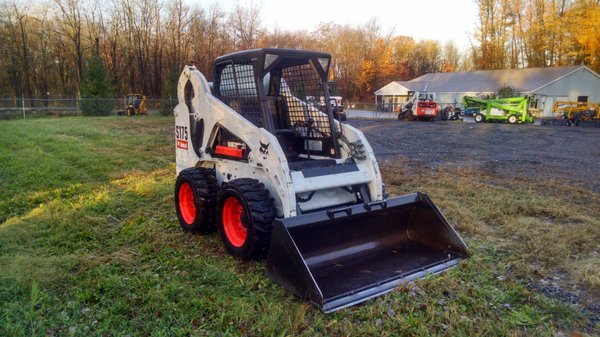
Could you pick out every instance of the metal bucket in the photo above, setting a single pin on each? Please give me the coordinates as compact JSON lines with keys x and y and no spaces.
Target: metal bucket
{"x":340,"y":257}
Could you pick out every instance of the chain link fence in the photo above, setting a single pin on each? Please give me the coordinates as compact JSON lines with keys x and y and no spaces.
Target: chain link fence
{"x":395,"y":107}
{"x":388,"y":110}
{"x":11,"y":108}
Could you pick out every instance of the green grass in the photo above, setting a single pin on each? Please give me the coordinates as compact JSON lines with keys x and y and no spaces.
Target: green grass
{"x":90,"y":245}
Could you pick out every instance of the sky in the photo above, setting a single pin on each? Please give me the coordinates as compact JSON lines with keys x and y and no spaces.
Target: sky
{"x":442,"y":20}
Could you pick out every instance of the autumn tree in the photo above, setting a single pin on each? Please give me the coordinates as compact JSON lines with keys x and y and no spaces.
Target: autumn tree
{"x":537,"y":33}
{"x":494,"y":20}
{"x":45,"y":45}
{"x":403,"y":48}
{"x":427,"y":57}
{"x":451,"y":57}
{"x":346,"y":46}
{"x":377,"y":68}
{"x":584,"y":16}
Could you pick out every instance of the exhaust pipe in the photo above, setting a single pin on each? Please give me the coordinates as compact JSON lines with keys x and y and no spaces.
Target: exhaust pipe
{"x":341,"y":257}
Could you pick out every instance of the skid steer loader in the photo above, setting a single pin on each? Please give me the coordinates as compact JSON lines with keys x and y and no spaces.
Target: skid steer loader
{"x":279,"y":178}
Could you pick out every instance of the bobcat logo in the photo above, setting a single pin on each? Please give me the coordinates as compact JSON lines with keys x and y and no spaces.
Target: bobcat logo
{"x":264,"y":148}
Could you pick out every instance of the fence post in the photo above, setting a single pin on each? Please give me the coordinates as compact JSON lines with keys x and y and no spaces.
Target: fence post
{"x":23,"y":105}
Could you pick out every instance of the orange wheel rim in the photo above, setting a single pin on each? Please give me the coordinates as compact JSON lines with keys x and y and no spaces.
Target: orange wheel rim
{"x":232,"y":222}
{"x":186,"y":203}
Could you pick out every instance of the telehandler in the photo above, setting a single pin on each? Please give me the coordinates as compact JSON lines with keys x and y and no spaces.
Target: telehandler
{"x":279,"y":178}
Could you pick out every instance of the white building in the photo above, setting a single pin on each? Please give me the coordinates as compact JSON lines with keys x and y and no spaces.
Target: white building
{"x":544,"y":86}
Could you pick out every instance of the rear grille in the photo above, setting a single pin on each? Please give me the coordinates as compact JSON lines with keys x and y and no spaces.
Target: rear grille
{"x":427,"y":104}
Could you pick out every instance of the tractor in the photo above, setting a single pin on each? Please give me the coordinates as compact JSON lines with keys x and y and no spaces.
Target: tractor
{"x":280,"y":178}
{"x":136,"y":105}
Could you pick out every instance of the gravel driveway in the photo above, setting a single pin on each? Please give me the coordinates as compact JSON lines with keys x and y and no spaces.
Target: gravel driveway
{"x":559,"y":152}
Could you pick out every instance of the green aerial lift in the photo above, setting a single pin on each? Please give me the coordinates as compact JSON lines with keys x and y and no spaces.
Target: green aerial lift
{"x":512,"y":110}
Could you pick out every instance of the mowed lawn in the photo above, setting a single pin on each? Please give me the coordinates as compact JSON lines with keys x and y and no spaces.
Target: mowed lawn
{"x":90,"y":245}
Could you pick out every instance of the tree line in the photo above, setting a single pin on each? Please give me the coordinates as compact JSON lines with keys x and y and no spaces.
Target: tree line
{"x":46,"y":49}
{"x":537,"y":33}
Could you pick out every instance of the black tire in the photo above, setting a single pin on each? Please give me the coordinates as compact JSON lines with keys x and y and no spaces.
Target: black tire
{"x":478,"y":118}
{"x":245,"y":214}
{"x":196,"y":199}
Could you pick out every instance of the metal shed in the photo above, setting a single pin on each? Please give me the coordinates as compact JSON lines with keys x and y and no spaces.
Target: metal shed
{"x":543,"y":85}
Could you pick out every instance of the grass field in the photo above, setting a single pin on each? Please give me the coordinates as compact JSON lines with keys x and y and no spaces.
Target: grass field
{"x":90,"y":245}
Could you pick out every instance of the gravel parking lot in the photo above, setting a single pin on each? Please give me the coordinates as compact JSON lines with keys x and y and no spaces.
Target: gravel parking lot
{"x":571,"y":154}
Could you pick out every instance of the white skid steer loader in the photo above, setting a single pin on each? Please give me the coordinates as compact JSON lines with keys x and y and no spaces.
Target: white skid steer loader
{"x":278,"y":177}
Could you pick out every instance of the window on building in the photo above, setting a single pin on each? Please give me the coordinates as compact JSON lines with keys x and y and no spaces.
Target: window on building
{"x":533,"y":102}
{"x":582,"y":99}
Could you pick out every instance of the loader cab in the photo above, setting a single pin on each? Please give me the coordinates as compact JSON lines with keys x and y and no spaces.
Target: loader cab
{"x":279,"y":90}
{"x":420,"y":96}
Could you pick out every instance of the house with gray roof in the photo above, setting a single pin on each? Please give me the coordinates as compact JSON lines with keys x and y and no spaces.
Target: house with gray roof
{"x":544,"y":86}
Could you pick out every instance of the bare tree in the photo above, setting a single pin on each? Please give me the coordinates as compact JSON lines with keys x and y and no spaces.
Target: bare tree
{"x":451,"y":57}
{"x":16,"y":24}
{"x":69,"y":24}
{"x":246,"y":24}
{"x":141,"y":41}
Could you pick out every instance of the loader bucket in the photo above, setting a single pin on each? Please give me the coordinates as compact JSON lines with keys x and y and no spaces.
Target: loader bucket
{"x":340,"y":257}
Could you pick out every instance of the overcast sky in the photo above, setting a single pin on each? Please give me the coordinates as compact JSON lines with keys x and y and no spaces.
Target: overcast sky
{"x":441,"y":20}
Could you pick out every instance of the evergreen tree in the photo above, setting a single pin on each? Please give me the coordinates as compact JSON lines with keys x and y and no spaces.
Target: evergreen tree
{"x":507,"y":92}
{"x":96,"y":91}
{"x":169,"y":96}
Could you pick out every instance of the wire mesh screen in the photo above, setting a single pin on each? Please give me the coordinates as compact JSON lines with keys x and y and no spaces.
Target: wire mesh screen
{"x":306,"y":101}
{"x":236,"y":87}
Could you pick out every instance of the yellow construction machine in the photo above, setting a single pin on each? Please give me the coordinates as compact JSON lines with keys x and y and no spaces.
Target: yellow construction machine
{"x":136,"y":105}
{"x":576,"y":112}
